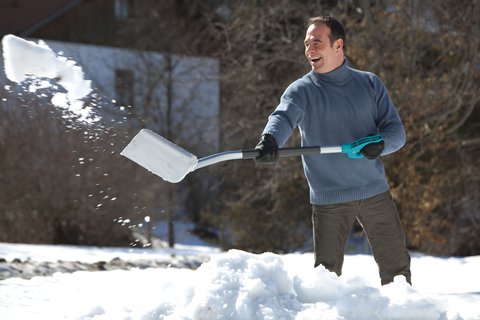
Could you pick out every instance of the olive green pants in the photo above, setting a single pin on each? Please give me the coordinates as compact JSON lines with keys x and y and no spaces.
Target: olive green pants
{"x":379,"y":218}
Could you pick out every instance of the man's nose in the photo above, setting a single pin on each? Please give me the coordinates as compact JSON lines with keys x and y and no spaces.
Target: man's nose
{"x":308,"y":49}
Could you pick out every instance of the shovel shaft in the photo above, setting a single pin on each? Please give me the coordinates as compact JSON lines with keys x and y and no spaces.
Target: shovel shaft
{"x":284,"y":152}
{"x":293,"y":152}
{"x":252,"y":154}
{"x":219,"y":157}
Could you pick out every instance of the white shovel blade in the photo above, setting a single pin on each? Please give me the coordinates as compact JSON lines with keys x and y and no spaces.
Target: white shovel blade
{"x":160,"y":156}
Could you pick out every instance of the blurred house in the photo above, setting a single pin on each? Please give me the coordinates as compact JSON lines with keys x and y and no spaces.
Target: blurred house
{"x":175,"y":95}
{"x":149,"y":83}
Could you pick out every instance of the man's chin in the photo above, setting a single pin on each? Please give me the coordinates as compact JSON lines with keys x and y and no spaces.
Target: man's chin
{"x":317,"y":67}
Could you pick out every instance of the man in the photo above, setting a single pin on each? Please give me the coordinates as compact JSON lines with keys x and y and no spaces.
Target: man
{"x":331,"y":105}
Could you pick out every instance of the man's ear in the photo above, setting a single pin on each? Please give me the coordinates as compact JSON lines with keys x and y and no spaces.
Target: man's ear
{"x":338,"y":44}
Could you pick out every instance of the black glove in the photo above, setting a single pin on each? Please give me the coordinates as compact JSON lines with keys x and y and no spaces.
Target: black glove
{"x":267,"y":149}
{"x":373,"y":150}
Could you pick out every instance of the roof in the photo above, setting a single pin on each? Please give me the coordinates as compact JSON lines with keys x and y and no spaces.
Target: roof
{"x":22,"y":17}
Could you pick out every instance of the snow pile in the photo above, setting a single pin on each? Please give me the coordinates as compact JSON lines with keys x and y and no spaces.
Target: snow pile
{"x":27,"y":60}
{"x":240,"y":285}
{"x":236,"y":285}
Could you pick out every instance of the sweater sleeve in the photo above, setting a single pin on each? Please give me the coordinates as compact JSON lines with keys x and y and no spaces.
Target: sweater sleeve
{"x":389,"y":124}
{"x":288,"y":114}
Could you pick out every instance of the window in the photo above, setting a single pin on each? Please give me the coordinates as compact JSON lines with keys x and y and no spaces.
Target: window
{"x":124,"y":87}
{"x":123,"y":9}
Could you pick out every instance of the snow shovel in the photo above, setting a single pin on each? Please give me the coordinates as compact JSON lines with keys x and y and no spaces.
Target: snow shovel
{"x":172,"y":163}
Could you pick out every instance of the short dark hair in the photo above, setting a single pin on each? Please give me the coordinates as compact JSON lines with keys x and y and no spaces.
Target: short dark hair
{"x":337,"y":31}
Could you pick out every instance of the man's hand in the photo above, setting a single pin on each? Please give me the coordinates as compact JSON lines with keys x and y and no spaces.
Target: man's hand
{"x":267,"y":149}
{"x":373,"y":150}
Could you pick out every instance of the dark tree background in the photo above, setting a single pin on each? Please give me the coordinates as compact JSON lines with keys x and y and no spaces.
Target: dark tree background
{"x":427,"y":52}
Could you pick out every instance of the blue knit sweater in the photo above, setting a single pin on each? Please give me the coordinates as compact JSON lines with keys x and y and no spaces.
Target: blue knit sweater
{"x":335,"y":108}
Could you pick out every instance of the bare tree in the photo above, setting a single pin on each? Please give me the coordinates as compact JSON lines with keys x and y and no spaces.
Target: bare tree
{"x":64,"y":181}
{"x":179,"y":114}
{"x":427,"y":53}
{"x":264,"y":207}
{"x":419,"y":48}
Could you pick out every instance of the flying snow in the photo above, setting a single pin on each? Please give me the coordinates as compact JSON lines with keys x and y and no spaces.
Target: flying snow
{"x":27,"y":60}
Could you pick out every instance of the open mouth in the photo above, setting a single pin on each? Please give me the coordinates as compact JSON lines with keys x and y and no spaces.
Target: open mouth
{"x":315,"y":60}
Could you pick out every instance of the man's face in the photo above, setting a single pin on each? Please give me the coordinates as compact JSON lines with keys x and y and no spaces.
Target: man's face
{"x":322,"y":56}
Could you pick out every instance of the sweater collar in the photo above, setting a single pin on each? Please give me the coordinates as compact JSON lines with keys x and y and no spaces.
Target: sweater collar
{"x":339,"y":76}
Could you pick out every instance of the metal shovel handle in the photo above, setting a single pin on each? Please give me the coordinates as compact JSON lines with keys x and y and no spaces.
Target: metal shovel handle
{"x":351,"y":150}
{"x":252,"y":154}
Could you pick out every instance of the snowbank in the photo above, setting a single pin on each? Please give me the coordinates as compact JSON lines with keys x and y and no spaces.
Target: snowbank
{"x":244,"y":286}
{"x":237,"y":285}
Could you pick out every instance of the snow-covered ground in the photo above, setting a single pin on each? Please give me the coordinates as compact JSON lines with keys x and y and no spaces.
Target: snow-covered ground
{"x":235,"y":285}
